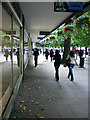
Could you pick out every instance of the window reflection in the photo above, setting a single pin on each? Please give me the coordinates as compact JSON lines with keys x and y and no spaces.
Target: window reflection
{"x":16,"y":51}
{"x":5,"y":58}
{"x":25,"y":48}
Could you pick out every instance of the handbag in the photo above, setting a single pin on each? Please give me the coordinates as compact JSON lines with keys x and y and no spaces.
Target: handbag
{"x":67,"y":62}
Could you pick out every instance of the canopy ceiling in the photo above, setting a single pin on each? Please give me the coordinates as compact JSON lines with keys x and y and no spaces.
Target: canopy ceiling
{"x":40,"y":16}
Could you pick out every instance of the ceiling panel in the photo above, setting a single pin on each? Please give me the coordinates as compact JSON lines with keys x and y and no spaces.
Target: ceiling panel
{"x":40,"y":16}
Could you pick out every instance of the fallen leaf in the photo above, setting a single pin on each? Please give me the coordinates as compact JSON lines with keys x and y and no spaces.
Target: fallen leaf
{"x":42,"y":109}
{"x":16,"y":111}
{"x":22,"y":101}
{"x":60,"y":114}
{"x":30,"y":110}
{"x":24,"y":108}
{"x":32,"y":100}
{"x":41,"y":95}
{"x":41,"y":117}
{"x":38,"y":115}
{"x":54,"y":99}
{"x":30,"y":115}
{"x":29,"y":88}
{"x":20,"y":106}
{"x":14,"y":116}
{"x":24,"y":86}
{"x":36,"y":102}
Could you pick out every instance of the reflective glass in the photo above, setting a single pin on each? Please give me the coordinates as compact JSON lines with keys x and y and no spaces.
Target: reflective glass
{"x":16,"y":51}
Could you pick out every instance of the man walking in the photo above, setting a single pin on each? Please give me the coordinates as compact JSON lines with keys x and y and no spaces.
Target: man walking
{"x":57,"y":58}
{"x":36,"y":53}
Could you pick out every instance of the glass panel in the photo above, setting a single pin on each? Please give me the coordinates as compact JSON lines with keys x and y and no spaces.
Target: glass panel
{"x":25,"y":49}
{"x":5,"y":58}
{"x":16,"y":52}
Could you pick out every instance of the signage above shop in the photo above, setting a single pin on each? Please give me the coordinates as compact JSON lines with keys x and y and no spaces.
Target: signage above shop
{"x":68,"y":6}
{"x":76,"y":6}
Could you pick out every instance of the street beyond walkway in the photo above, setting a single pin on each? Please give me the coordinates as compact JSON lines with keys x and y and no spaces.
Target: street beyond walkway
{"x":41,"y":96}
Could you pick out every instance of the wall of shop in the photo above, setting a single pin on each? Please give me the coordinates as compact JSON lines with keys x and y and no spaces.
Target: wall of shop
{"x":12,"y":56}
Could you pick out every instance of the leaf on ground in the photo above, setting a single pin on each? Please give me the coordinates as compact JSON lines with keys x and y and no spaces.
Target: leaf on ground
{"x":16,"y":111}
{"x":36,"y":102}
{"x":21,"y":106}
{"x":22,"y":101}
{"x":15,"y":117}
{"x":24,"y":86}
{"x":48,"y":100}
{"x":54,"y":99}
{"x":41,"y":95}
{"x":42,"y":109}
{"x":24,"y":108}
{"x":39,"y":116}
{"x":30,"y":110}
{"x":32,"y":100}
{"x":60,"y":114}
{"x":29,"y":88}
{"x":30,"y":115}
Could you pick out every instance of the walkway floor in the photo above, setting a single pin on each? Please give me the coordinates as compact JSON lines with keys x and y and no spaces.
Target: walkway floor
{"x":41,"y":96}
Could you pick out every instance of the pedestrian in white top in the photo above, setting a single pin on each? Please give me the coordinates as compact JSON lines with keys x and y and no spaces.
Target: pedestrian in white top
{"x":72,"y":62}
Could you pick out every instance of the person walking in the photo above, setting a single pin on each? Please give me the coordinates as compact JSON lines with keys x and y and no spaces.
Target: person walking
{"x":81,"y":52}
{"x":18,"y":56}
{"x":51,"y":54}
{"x":71,"y":63}
{"x":57,"y":58}
{"x":36,"y":53}
{"x":46,"y":54}
{"x":6,"y":54}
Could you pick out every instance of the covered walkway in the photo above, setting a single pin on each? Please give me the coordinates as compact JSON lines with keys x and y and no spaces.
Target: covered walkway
{"x":41,"y":96}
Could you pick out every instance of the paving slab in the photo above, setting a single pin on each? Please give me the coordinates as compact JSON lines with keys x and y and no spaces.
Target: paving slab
{"x":41,"y":96}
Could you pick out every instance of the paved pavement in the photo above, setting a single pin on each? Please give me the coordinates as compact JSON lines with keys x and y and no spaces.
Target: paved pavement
{"x":41,"y":96}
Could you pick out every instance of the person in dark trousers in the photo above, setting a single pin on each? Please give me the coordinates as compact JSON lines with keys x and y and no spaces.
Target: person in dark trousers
{"x":72,"y":62}
{"x":36,"y":53}
{"x":81,"y":58}
{"x":57,"y":58}
{"x":46,"y":54}
{"x":51,"y":54}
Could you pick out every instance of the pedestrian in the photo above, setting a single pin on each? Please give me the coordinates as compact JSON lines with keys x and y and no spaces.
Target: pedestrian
{"x":57,"y":58}
{"x":36,"y":53}
{"x":6,"y":54}
{"x":46,"y":54}
{"x":72,"y":62}
{"x":18,"y":56}
{"x":43,"y":51}
{"x":81,"y":52}
{"x":51,"y":54}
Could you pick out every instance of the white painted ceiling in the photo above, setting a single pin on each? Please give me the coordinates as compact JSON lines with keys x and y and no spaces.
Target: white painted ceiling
{"x":40,"y":16}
